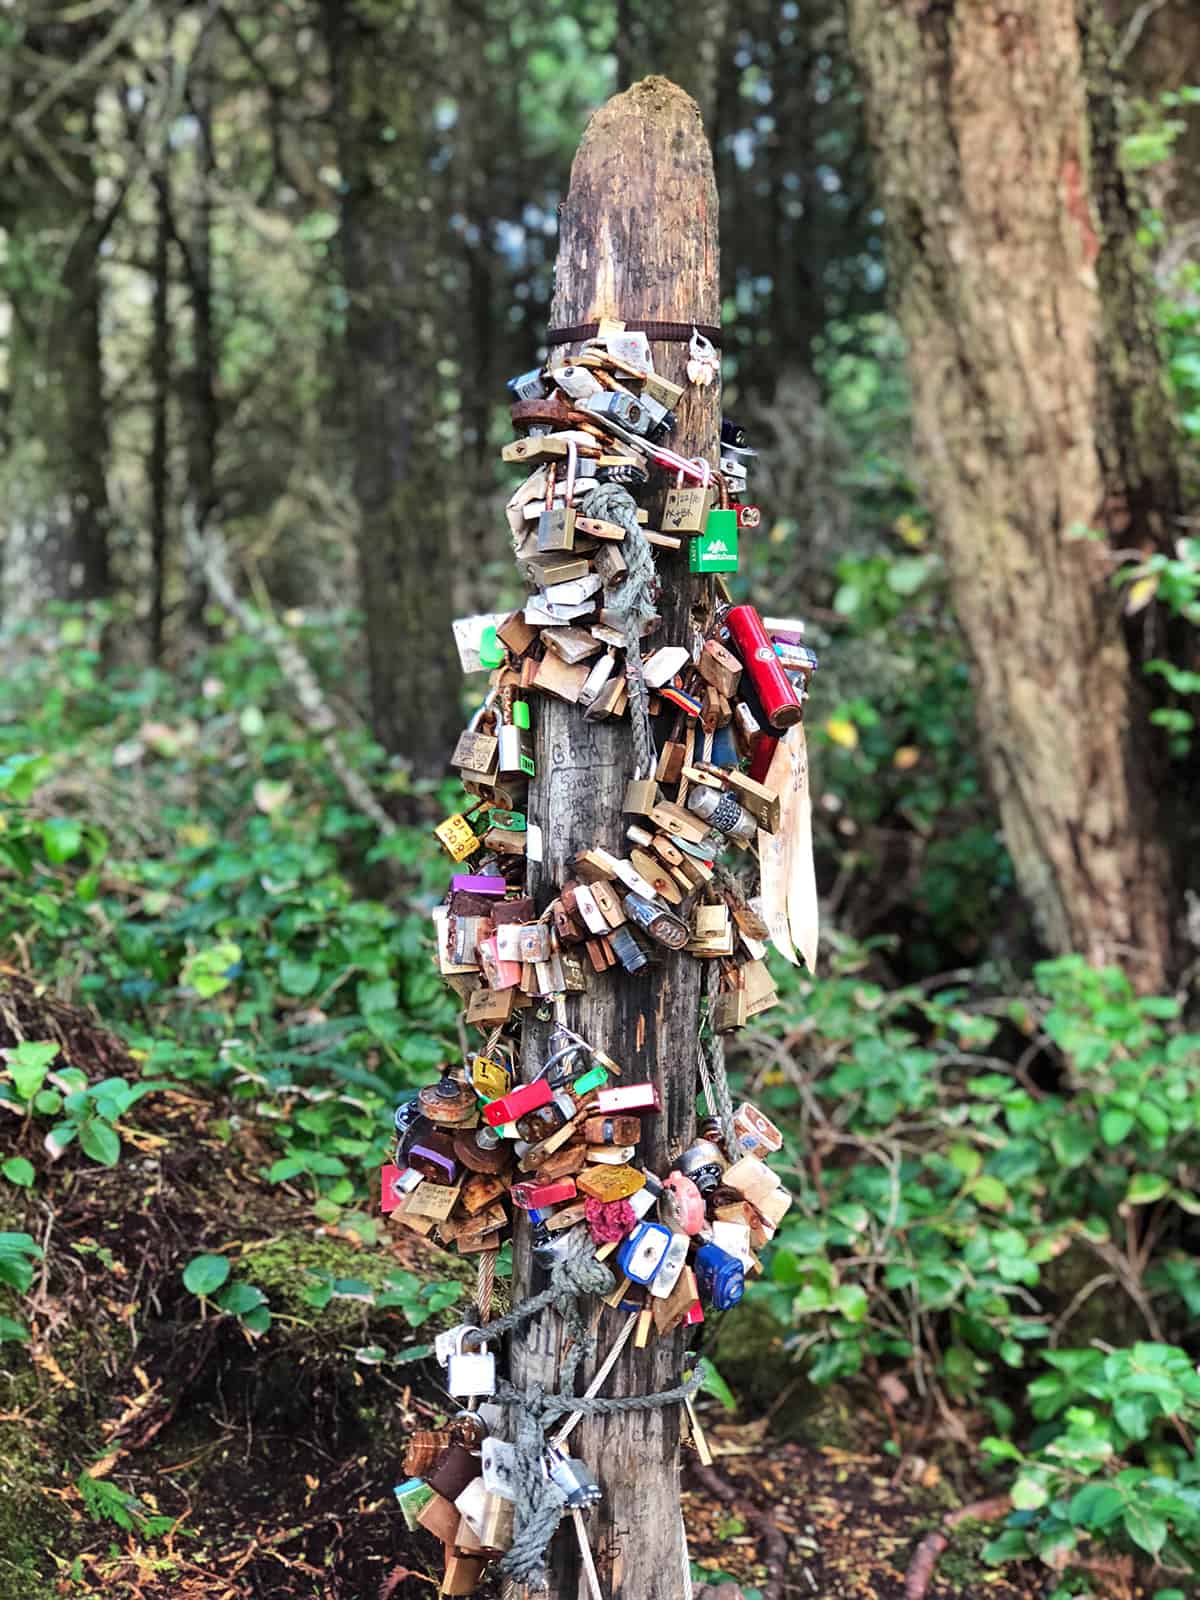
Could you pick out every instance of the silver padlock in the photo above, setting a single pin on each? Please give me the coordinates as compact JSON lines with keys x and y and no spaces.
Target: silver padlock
{"x":500,"y":1468}
{"x":446,"y":1343}
{"x":577,"y":382}
{"x":575,"y":1480}
{"x":470,"y":1372}
{"x":622,"y":409}
{"x":667,"y":1276}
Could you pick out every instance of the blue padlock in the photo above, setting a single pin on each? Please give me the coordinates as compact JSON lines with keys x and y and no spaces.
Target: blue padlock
{"x":639,"y":1256}
{"x":721,"y":1277}
{"x":724,"y":751}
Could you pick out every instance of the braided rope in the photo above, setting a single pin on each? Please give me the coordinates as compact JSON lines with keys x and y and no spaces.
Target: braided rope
{"x":631,"y":598}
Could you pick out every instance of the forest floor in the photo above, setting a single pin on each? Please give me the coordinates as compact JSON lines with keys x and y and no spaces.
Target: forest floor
{"x":274,"y":1458}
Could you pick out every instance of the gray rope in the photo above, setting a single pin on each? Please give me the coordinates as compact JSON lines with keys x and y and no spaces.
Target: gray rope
{"x":538,"y":1500}
{"x":723,"y":1103}
{"x":632,"y":598}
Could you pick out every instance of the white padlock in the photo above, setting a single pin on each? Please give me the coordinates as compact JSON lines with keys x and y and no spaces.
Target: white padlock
{"x":470,"y":1372}
{"x":499,"y":1468}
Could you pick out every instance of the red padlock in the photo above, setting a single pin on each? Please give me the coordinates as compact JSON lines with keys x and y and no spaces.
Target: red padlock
{"x":771,"y":683}
{"x":686,"y":1203}
{"x":525,"y":1097}
{"x":530,"y":1196}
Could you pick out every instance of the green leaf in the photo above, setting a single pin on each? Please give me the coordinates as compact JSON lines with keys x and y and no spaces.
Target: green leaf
{"x":13,"y":1332}
{"x":1147,"y":1532}
{"x":204,"y":1275}
{"x":62,"y":838}
{"x":19,"y":1171}
{"x":1029,"y":1495}
{"x":208,"y":972}
{"x":1096,"y":1505}
{"x":850,"y":1299}
{"x":239,"y":1298}
{"x":990,"y":1192}
{"x":1115,"y":1126}
{"x":28,"y":1065}
{"x":713,"y":1383}
{"x":1011,"y":1545}
{"x":299,"y":977}
{"x":378,"y":995}
{"x":1146,"y":1187}
{"x":100,"y":1141}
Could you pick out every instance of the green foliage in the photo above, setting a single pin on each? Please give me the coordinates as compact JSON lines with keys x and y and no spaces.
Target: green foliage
{"x":105,"y":1502}
{"x":1115,"y":1458}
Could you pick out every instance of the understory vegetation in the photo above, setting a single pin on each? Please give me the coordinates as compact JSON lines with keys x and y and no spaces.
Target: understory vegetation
{"x":995,"y":1172}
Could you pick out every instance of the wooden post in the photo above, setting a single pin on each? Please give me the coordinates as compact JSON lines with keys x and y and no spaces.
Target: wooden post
{"x":638,"y":240}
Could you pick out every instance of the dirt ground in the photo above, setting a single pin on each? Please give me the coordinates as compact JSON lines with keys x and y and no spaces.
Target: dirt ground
{"x":275,"y":1458}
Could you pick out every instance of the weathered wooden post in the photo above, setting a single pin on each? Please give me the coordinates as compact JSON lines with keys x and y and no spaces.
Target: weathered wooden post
{"x":638,"y":242}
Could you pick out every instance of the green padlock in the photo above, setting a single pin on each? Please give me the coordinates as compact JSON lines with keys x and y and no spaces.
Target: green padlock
{"x":491,"y":651}
{"x":716,"y":549}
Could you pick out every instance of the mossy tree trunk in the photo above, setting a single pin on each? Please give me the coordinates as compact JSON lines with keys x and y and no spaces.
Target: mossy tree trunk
{"x":1041,"y":424}
{"x":638,"y":240}
{"x":384,"y":63}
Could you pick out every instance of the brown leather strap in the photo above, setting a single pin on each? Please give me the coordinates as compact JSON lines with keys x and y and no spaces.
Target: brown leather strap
{"x":656,"y":332}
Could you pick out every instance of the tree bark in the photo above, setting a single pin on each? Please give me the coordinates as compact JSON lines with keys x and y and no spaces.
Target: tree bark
{"x":159,"y":465}
{"x":390,"y":231}
{"x":1039,"y":414}
{"x":638,"y":240}
{"x":57,"y":512}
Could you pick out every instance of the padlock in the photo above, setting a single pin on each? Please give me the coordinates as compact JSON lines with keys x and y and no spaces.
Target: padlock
{"x":612,"y":1130}
{"x":525,"y":1097}
{"x":499,"y":1468}
{"x":423,"y":1449}
{"x":453,"y":1470}
{"x":489,"y":1078}
{"x":542,"y":1121}
{"x":611,"y":1155}
{"x":686,"y":509}
{"x":528,"y":385}
{"x":457,"y":837}
{"x":734,"y":1239}
{"x":628,"y":951}
{"x":432,"y":1155}
{"x":641,"y":1254}
{"x":447,"y":1101}
{"x":641,"y":795}
{"x":446,"y":1343}
{"x":413,"y":1496}
{"x":576,"y":382}
{"x":672,"y":1264}
{"x":513,"y":755}
{"x":575,"y":1480}
{"x":703,"y":1163}
{"x":556,"y":527}
{"x":628,"y":1097}
{"x":651,"y":919}
{"x":682,"y":1204}
{"x":721,"y":1277}
{"x":470,"y":1372}
{"x":716,"y":550}
{"x":476,"y":751}
{"x":723,"y":811}
{"x":757,"y":1134}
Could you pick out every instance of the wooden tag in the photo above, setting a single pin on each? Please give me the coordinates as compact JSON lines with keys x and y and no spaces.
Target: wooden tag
{"x":480,"y":1189}
{"x":656,"y":875}
{"x":670,"y":1311}
{"x":564,"y":1163}
{"x":566,"y":1216}
{"x":597,"y":528}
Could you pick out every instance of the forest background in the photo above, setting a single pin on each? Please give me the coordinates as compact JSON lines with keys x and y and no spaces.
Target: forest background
{"x":264,"y":268}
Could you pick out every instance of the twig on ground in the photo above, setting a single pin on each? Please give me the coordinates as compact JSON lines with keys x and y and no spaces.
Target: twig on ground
{"x":772,"y":1535}
{"x":926,"y":1556}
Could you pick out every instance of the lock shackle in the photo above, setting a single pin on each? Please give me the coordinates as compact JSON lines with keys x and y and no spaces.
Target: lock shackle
{"x":460,"y":1341}
{"x":488,"y":701}
{"x":567,"y":1050}
{"x":572,"y":464}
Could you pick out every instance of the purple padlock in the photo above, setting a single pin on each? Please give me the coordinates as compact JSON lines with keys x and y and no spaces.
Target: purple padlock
{"x":435,"y":1166}
{"x":474,"y":883}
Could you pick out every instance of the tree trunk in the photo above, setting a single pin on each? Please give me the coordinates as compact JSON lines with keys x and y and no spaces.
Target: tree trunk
{"x":1039,"y":414}
{"x":390,"y":235}
{"x":159,"y":465}
{"x":638,"y":240}
{"x":57,"y":513}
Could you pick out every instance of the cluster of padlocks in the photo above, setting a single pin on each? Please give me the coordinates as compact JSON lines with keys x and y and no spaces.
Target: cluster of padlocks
{"x":473,"y":1150}
{"x":478,"y":1148}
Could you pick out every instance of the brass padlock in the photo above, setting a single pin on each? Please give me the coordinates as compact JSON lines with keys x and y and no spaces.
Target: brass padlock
{"x":556,"y":527}
{"x":641,"y":795}
{"x":476,"y":751}
{"x":457,"y":837}
{"x":686,"y":509}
